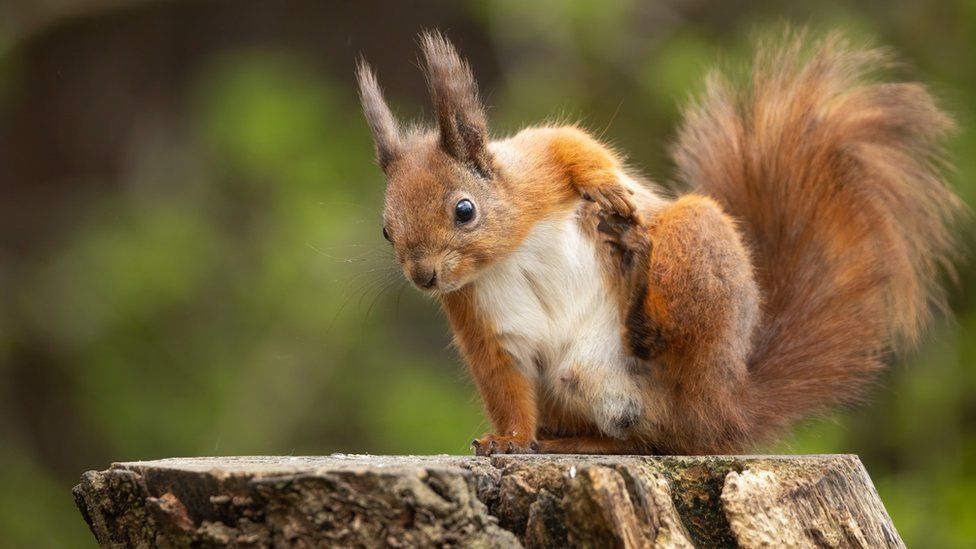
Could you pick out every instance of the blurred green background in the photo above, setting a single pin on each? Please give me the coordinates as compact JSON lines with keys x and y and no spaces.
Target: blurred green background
{"x":190,"y":252}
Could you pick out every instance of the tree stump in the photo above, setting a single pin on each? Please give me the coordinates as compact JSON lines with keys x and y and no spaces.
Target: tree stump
{"x":502,"y":501}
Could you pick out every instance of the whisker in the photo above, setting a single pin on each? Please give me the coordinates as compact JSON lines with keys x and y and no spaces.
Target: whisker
{"x":361,"y":257}
{"x":383,"y":290}
{"x":385,"y":274}
{"x":382,"y":282}
{"x":396,"y":313}
{"x":612,"y":118}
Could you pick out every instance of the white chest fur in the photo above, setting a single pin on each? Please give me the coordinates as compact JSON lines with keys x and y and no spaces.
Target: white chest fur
{"x":551,"y":309}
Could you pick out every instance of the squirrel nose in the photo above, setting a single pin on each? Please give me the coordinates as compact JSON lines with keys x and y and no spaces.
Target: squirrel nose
{"x":424,"y":276}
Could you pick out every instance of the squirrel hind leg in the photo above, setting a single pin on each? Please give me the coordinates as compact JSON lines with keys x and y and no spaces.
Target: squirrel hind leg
{"x":643,"y":335}
{"x":593,"y":445}
{"x":631,"y":245}
{"x":689,"y":285}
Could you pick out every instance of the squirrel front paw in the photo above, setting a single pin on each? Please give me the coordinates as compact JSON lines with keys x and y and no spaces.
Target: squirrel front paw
{"x":614,"y":198}
{"x":490,"y":444}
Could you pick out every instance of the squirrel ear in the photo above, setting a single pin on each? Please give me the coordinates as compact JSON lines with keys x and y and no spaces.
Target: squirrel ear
{"x":460,"y":115}
{"x":386,"y":133}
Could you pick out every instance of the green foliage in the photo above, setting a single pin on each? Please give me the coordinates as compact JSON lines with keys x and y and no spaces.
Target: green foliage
{"x":233,"y":294}
{"x":31,"y":502}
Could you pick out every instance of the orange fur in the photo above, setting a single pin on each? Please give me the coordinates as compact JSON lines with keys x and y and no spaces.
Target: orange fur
{"x":807,"y":250}
{"x":510,"y":401}
{"x":698,"y":296}
{"x":836,"y":181}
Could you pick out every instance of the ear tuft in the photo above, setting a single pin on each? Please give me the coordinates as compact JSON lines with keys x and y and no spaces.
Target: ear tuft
{"x":454,"y":93}
{"x":386,"y":132}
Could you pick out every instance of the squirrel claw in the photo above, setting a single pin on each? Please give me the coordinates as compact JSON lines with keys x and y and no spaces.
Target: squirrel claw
{"x":616,"y":199}
{"x":489,"y":445}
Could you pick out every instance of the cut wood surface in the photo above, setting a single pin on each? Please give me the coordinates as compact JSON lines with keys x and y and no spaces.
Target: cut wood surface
{"x":502,"y":501}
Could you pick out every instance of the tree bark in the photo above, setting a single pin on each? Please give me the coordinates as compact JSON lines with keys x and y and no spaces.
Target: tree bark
{"x":503,"y":501}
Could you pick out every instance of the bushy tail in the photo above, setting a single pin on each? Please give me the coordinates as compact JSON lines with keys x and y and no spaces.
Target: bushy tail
{"x":836,"y":180}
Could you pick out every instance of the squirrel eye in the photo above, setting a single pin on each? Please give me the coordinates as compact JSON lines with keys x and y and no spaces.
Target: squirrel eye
{"x":464,"y":211}
{"x":386,"y":235}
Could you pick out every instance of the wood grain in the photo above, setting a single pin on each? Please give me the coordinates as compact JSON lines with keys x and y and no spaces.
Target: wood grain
{"x":502,"y":501}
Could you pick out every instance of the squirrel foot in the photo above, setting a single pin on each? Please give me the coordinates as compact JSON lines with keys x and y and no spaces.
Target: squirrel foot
{"x":490,"y":444}
{"x":630,"y":242}
{"x":628,"y":238}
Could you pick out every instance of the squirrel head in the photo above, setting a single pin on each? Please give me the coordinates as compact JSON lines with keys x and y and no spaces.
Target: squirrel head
{"x":447,"y":212}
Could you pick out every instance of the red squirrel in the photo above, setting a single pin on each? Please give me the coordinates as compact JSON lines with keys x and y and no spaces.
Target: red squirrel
{"x":598,"y":315}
